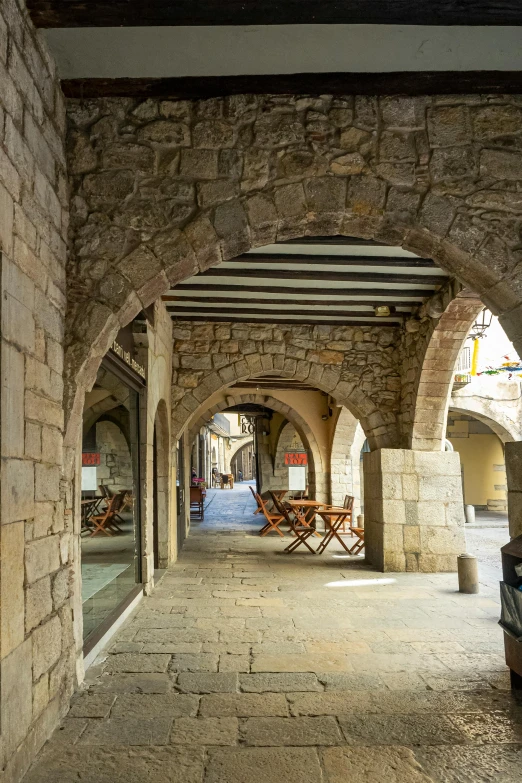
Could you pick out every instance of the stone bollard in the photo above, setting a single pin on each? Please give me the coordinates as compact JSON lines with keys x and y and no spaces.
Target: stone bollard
{"x":469,"y":513}
{"x":360,"y":520}
{"x":468,"y":573}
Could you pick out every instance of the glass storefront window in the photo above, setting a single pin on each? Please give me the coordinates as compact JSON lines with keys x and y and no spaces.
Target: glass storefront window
{"x":110,"y":536}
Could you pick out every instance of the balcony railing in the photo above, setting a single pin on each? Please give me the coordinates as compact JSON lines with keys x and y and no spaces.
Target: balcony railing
{"x":462,"y":374}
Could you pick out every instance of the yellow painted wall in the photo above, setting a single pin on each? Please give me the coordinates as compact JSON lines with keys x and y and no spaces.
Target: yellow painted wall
{"x":478,"y":455}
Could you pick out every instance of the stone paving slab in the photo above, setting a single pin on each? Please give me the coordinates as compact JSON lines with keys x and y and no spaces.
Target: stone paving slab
{"x":264,"y":765}
{"x":250,"y":666}
{"x":119,"y":765}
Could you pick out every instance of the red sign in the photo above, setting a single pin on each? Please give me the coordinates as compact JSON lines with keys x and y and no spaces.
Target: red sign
{"x":90,"y":458}
{"x":296,"y":458}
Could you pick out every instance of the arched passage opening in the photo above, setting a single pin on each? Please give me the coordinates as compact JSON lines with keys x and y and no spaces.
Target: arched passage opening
{"x":111,"y":535}
{"x":318,"y":476}
{"x":242,"y":460}
{"x":346,"y":460}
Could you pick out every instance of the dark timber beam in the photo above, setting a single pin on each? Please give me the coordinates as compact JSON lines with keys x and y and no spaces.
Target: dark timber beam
{"x":338,"y":277}
{"x":249,"y":290}
{"x":246,"y":311}
{"x":224,"y":300}
{"x":397,"y":83}
{"x":141,"y":13}
{"x":244,"y":320}
{"x":253,"y":259}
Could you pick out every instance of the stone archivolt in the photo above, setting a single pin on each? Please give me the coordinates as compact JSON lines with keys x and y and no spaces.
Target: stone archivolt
{"x":163,"y":189}
{"x":357,"y":366}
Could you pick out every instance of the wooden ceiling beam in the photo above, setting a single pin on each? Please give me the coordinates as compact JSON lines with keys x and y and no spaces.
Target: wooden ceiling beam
{"x":297,"y":258}
{"x":136,"y":13}
{"x":182,"y":300}
{"x":323,"y":322}
{"x":246,"y":310}
{"x":387,"y":83}
{"x":337,"y":277}
{"x":251,"y":290}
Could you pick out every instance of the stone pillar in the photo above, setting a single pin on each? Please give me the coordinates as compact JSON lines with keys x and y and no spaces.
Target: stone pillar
{"x":514,"y":484}
{"x":413,"y":510}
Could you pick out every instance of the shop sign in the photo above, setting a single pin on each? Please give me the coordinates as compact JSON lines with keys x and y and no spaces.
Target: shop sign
{"x":90,"y":458}
{"x":128,"y":359}
{"x":296,"y":458}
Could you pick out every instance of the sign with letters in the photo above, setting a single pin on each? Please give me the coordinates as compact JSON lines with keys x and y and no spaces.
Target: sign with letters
{"x":90,"y":458}
{"x":296,"y":458}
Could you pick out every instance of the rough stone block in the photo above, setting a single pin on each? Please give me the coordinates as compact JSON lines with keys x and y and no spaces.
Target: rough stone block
{"x":244,"y":705}
{"x":284,"y":682}
{"x":442,"y":540}
{"x":47,"y":646}
{"x":42,"y":557}
{"x":440,"y":488}
{"x":38,"y":603}
{"x":133,"y":662}
{"x":17,"y":681}
{"x":264,"y":765}
{"x":12,"y":401}
{"x":393,"y":764}
{"x":170,"y":764}
{"x":220,"y":682}
{"x":12,"y":587}
{"x":155,"y":705}
{"x":322,"y":730}
{"x":46,"y":482}
{"x":17,"y":490}
{"x":204,"y":731}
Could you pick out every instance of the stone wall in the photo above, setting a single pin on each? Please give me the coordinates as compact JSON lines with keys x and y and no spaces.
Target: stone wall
{"x":359,"y":367}
{"x":495,"y":401}
{"x":429,"y":357}
{"x":162,"y":189}
{"x":115,"y":469}
{"x":38,"y":551}
{"x":413,"y":510}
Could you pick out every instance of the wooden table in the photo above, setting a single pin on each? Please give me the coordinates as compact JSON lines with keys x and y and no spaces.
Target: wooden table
{"x":334,"y":518}
{"x":305,"y":511}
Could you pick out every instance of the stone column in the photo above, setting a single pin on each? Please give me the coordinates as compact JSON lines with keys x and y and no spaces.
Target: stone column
{"x":514,"y":484}
{"x":413,"y":510}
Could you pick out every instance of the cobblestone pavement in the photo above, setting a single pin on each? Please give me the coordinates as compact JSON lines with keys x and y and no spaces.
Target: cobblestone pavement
{"x":248,"y":665}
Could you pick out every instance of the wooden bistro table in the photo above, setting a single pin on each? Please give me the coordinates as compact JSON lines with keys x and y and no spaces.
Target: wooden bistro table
{"x":334,"y":518}
{"x":306,"y":511}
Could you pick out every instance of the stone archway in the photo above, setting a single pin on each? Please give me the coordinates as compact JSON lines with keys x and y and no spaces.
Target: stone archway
{"x":318,"y":476}
{"x":352,"y":377}
{"x":435,"y":357}
{"x":235,"y":448}
{"x":242,"y":447}
{"x":182,"y":188}
{"x":345,"y":460}
{"x":288,"y":440}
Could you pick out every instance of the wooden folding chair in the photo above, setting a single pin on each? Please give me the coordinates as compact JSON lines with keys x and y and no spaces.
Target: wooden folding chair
{"x":196,"y":503}
{"x":348,"y":504}
{"x":301,"y":532}
{"x":106,"y":521}
{"x":259,"y":508}
{"x":272,"y":520}
{"x":359,"y":544}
